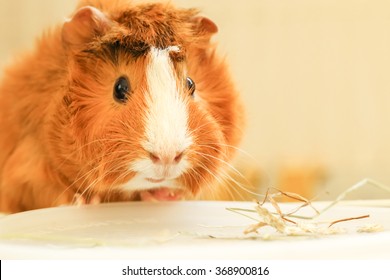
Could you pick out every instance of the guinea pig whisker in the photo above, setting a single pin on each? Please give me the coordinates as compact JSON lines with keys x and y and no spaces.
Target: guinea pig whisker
{"x":232,"y":184}
{"x":201,"y":126}
{"x":195,"y":175}
{"x":81,"y":179}
{"x":241,"y":151}
{"x":212,"y":191}
{"x":237,"y":149}
{"x":216,"y":158}
{"x":72,"y":185}
{"x":79,"y":149}
{"x":226,"y":163}
{"x":230,"y":178}
{"x":118,"y":179}
{"x":204,"y":167}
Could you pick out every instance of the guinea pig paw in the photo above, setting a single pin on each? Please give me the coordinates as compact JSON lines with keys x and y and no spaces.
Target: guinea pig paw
{"x":161,"y":194}
{"x":79,"y":200}
{"x":95,"y":200}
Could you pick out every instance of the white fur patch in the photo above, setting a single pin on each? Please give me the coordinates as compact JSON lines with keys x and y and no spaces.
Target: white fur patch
{"x":166,"y":125}
{"x":166,"y":131}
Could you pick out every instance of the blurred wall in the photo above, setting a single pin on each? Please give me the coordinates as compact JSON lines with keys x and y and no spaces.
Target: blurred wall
{"x":313,"y":75}
{"x":22,"y":20}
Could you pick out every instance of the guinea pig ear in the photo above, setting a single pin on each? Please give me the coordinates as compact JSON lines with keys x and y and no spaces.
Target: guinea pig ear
{"x":85,"y":24}
{"x":205,"y":26}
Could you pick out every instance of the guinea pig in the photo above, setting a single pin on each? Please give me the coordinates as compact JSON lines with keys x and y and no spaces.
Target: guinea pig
{"x":123,"y":101}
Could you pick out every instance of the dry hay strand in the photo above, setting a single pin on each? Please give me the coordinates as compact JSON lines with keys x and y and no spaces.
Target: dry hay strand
{"x":290,"y":224}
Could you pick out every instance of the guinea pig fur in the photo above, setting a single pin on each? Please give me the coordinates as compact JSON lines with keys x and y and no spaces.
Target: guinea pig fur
{"x":123,"y":101}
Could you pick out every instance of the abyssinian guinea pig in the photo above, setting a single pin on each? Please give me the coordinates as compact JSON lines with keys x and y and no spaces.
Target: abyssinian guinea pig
{"x":122,"y":101}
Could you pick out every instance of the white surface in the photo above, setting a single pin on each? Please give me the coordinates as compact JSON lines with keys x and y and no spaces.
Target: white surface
{"x":181,"y":230}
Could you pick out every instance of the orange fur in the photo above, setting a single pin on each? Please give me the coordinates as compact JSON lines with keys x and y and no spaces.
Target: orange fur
{"x":64,"y":134}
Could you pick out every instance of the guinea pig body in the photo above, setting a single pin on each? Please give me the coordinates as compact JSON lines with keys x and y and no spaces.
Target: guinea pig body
{"x":121,"y":102}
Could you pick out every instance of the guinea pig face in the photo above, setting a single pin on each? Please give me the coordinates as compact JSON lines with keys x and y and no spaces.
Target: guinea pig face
{"x":142,"y":123}
{"x":166,"y":137}
{"x":143,"y":111}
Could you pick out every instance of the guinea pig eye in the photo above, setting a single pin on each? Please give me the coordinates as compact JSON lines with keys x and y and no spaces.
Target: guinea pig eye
{"x":190,"y":86}
{"x":121,"y":89}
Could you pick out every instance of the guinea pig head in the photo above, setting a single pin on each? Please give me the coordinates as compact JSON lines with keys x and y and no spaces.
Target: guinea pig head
{"x":148,"y":104}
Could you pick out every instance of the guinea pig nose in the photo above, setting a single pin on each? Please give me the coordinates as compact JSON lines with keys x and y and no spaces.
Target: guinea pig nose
{"x":158,"y":158}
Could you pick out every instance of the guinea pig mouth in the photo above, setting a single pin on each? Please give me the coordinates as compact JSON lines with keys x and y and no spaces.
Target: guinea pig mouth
{"x":161,"y":194}
{"x":156,"y":181}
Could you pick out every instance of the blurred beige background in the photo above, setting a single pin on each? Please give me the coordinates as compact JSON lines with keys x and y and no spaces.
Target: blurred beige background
{"x":313,"y":75}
